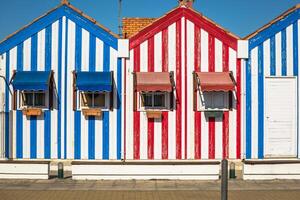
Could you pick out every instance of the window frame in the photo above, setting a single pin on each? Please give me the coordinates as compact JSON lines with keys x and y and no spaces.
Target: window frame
{"x":22,"y":99}
{"x":153,"y":107}
{"x":82,"y":106}
{"x":226,"y":101}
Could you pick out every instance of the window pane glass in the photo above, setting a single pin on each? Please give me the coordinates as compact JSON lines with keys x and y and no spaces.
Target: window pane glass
{"x":87,"y":99}
{"x":99,"y":99}
{"x":39,"y":99}
{"x":159,"y":100}
{"x":28,"y":99}
{"x":147,"y":99}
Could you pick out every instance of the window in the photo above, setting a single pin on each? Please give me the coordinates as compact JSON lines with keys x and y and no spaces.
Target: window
{"x":33,"y":99}
{"x":154,"y":100}
{"x":93,"y":99}
{"x":215,"y":100}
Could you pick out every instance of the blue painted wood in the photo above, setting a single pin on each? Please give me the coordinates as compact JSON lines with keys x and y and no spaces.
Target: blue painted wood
{"x":260,"y":101}
{"x":34,"y":49}
{"x":33,"y":137}
{"x":119,"y":109}
{"x":273,"y":56}
{"x":65,"y":89}
{"x":19,"y":135}
{"x":248,"y":108}
{"x":7,"y":117}
{"x":283,"y":53}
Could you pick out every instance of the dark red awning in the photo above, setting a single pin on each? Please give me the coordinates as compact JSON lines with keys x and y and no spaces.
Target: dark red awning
{"x":153,"y":81}
{"x":215,"y":81}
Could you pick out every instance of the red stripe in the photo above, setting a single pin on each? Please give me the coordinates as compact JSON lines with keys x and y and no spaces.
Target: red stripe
{"x":225,"y":121}
{"x":151,"y":121}
{"x":211,"y":127}
{"x":136,"y":120}
{"x":197,"y":57}
{"x":185,"y":86}
{"x":238,"y":107}
{"x":211,"y":123}
{"x":178,"y":90}
{"x":165,"y":115}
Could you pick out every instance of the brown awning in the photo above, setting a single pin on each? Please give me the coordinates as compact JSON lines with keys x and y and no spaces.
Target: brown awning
{"x":216,"y":81}
{"x":153,"y":81}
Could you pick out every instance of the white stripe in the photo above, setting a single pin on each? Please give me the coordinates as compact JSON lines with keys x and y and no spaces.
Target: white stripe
{"x":143,"y":116}
{"x":278,"y":54}
{"x":26,"y":138}
{"x":157,"y":122}
{"x":27,"y":55}
{"x":63,"y":57}
{"x":218,"y":120}
{"x":85,"y":50}
{"x":172,"y":115}
{"x":113,"y":115}
{"x":98,"y":138}
{"x":99,"y":55}
{"x":70,"y":67}
{"x":232,"y":114}
{"x":183,"y":69}
{"x":54,"y":67}
{"x":40,"y":136}
{"x":41,"y":51}
{"x":289,"y":50}
{"x":190,"y":112}
{"x":254,"y":67}
{"x":129,"y":107}
{"x":204,"y":120}
{"x":84,"y":137}
{"x":267,"y":58}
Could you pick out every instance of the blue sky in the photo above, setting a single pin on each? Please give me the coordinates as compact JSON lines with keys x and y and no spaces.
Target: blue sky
{"x":241,"y":17}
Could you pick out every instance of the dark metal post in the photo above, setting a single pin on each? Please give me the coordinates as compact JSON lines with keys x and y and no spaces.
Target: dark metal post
{"x":224,"y":180}
{"x":60,"y":167}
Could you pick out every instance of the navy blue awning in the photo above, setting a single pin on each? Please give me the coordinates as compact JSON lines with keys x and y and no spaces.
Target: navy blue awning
{"x":29,"y":80}
{"x":94,"y":81}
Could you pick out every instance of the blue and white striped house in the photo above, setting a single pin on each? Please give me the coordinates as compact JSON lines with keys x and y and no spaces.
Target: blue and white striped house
{"x":60,"y":64}
{"x":272,"y":90}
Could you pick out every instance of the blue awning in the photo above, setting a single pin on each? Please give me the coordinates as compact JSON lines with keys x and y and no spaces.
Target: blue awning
{"x":29,"y":80}
{"x":94,"y":81}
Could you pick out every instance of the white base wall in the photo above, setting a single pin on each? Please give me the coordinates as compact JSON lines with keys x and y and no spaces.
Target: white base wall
{"x":270,"y":171}
{"x":24,"y":171}
{"x":145,"y":171}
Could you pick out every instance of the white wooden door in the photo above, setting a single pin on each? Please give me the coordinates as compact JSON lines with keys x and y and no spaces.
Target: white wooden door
{"x":280,"y":138}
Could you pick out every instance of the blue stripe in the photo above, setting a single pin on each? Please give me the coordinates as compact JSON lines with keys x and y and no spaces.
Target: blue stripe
{"x":65,"y":88}
{"x":92,"y":52}
{"x":274,"y":28}
{"x":59,"y":90}
{"x":260,"y":101}
{"x":105,"y":137}
{"x":20,"y":57}
{"x":52,"y":17}
{"x":7,"y":140}
{"x":248,"y":108}
{"x":48,"y":47}
{"x":283,"y":53}
{"x":295,"y":48}
{"x":105,"y":118}
{"x":33,"y":137}
{"x":34,"y":41}
{"x":273,"y":56}
{"x":77,"y":138}
{"x":47,"y":115}
{"x":78,"y":43}
{"x":19,"y":134}
{"x":47,"y":140}
{"x":91,"y":137}
{"x":119,"y":109}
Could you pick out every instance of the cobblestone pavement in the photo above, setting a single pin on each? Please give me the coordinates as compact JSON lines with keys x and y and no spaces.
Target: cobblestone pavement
{"x":146,"y":190}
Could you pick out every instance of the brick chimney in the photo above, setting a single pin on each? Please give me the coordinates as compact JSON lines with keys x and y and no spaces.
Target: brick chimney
{"x":187,"y":3}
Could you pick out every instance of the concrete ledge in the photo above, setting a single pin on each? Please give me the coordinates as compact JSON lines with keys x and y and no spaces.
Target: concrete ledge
{"x":271,"y":169}
{"x":82,"y":170}
{"x":15,"y":169}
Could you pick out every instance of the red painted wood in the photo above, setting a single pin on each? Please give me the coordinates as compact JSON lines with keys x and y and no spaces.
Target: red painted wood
{"x":197,"y":61}
{"x":136,"y":117}
{"x":191,"y":15}
{"x":211,"y":123}
{"x":225,"y":121}
{"x":178,"y":91}
{"x":165,"y":115}
{"x":151,"y":120}
{"x":238,"y":107}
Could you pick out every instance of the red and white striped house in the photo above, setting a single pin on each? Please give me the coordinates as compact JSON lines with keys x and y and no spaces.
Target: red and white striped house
{"x":187,"y":109}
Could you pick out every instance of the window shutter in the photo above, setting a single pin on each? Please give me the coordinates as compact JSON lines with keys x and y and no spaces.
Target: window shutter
{"x":14,"y":100}
{"x":172,"y":105}
{"x":230,"y":100}
{"x":74,"y":92}
{"x":111,"y":98}
{"x":194,"y":91}
{"x":51,"y":88}
{"x":134,"y":93}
